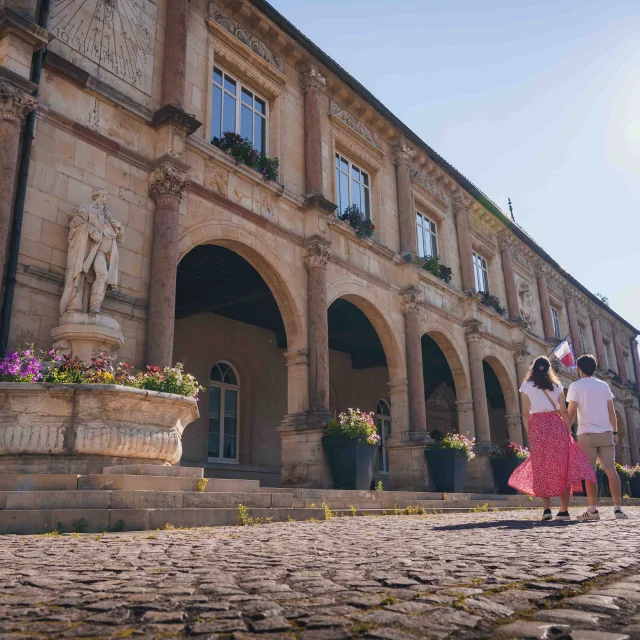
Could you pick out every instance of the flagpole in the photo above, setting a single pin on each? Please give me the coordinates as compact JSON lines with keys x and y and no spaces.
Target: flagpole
{"x":559,"y":343}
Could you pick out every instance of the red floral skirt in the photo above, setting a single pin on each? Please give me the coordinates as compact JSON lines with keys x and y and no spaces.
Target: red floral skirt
{"x":556,"y":462}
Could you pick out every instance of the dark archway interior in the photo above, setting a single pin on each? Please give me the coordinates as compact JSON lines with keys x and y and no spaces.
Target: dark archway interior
{"x":493,"y":388}
{"x":435,"y":367}
{"x":213,"y":279}
{"x":351,"y":332}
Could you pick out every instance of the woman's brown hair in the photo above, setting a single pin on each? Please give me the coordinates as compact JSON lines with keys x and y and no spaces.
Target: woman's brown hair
{"x":542,"y":375}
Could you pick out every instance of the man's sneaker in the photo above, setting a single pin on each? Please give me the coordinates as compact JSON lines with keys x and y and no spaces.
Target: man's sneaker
{"x":620,"y":514}
{"x":563,"y":515}
{"x":547,"y":515}
{"x":589,"y":516}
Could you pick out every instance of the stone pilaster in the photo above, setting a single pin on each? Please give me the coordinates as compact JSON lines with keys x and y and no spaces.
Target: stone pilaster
{"x":175,"y":54}
{"x":515,"y":428}
{"x":316,"y":260}
{"x":406,"y":210}
{"x":312,"y":85}
{"x":636,"y":362}
{"x":631,"y":415}
{"x":542,"y":273}
{"x":15,"y":105}
{"x":621,"y":362}
{"x":166,"y":186}
{"x":461,"y":212}
{"x":513,"y":307}
{"x":598,"y":342}
{"x":574,"y":328}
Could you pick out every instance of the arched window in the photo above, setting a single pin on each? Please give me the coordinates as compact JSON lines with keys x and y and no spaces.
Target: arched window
{"x":383,"y":424}
{"x":224,"y":402}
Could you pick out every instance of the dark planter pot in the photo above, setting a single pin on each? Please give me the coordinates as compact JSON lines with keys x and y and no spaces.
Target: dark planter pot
{"x":603,"y":484}
{"x":625,"y":489}
{"x":351,"y":461}
{"x":502,"y":470}
{"x":448,"y":469}
{"x":634,"y":486}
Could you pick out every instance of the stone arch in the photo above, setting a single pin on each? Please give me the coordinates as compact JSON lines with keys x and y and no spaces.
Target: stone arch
{"x":507,"y":383}
{"x":377,"y":313}
{"x":447,"y":345}
{"x":265,"y":260}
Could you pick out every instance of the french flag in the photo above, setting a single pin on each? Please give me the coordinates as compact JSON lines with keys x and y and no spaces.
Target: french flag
{"x":564,"y":353}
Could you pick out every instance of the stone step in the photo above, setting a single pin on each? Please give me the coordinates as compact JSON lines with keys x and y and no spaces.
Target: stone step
{"x":35,"y":500}
{"x":154,"y":470}
{"x":103,"y":520}
{"x":38,"y":482}
{"x":165,"y":483}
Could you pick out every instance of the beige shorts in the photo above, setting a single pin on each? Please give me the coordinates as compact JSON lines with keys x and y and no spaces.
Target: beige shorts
{"x":600,"y":446}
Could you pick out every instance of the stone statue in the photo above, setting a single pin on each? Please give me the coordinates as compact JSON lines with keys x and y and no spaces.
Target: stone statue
{"x":527,"y":310}
{"x":93,"y":255}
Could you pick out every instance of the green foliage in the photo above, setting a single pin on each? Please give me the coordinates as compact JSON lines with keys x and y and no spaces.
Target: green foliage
{"x":78,"y":525}
{"x":491,"y":301}
{"x":244,"y":520}
{"x":510,"y":450}
{"x":354,"y":511}
{"x":56,"y":533}
{"x":117,"y":527}
{"x":356,"y":220}
{"x":355,"y":424}
{"x":328,"y":514}
{"x":456,"y":441}
{"x":243,"y":152}
{"x":379,"y":486}
{"x":439,"y":270}
{"x":481,"y":509}
{"x":603,"y":299}
{"x":201,"y":485}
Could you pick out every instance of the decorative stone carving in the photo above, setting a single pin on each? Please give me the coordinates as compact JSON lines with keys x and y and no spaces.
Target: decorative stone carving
{"x":15,"y":104}
{"x":351,"y":121}
{"x":505,"y":241}
{"x":474,"y":331}
{"x":167,"y":180}
{"x":460,"y":204}
{"x":402,"y":154}
{"x":216,"y":180}
{"x":317,"y":256}
{"x":428,"y":183}
{"x":246,"y":37}
{"x":412,"y":300}
{"x":311,"y":80}
{"x":525,"y":300}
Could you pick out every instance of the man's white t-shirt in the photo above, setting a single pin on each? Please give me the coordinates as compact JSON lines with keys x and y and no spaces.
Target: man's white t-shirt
{"x":592,"y":396}
{"x":538,"y":400}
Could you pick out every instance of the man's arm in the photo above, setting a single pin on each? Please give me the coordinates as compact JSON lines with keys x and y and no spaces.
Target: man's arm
{"x":612,"y":419}
{"x":562,"y":410}
{"x":572,"y":410}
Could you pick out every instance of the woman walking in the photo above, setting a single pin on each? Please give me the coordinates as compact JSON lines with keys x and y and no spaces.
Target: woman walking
{"x":556,"y":466}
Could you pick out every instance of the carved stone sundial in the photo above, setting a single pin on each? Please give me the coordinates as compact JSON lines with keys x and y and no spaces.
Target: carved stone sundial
{"x":116,"y":35}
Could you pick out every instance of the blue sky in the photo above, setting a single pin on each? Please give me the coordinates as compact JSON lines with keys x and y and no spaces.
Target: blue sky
{"x":537,"y":101}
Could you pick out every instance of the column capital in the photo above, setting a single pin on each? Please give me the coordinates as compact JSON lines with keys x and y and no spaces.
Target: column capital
{"x":317,"y":254}
{"x":634,"y":343}
{"x":505,"y":240}
{"x":521,"y":355}
{"x":412,"y":300}
{"x":541,"y":269}
{"x":474,"y":331}
{"x":15,"y":104}
{"x":402,"y":155}
{"x":461,"y":204}
{"x":167,"y":180}
{"x":311,"y":80}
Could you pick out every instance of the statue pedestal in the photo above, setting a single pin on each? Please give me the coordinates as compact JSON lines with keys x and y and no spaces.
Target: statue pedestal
{"x":85,"y":335}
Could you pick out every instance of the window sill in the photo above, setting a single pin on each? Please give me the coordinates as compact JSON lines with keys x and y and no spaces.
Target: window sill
{"x":346,"y":230}
{"x":438,"y":282}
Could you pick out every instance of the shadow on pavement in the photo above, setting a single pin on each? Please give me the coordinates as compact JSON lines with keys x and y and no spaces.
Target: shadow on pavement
{"x":507,"y":524}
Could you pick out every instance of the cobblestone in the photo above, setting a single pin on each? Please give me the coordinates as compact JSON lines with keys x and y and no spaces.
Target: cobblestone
{"x":465,"y":576}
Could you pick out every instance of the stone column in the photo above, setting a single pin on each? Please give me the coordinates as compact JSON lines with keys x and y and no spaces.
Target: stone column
{"x":175,"y":54}
{"x":411,"y":304}
{"x":406,"y":209}
{"x":461,"y":212}
{"x":316,"y":264}
{"x":598,"y":342}
{"x":542,"y":272}
{"x":167,"y":184}
{"x":631,"y":413}
{"x":505,"y":241}
{"x":622,"y":363}
{"x":523,"y":362}
{"x":574,"y":328}
{"x":636,"y":362}
{"x":479,"y":474}
{"x":15,"y":104}
{"x":297,"y":362}
{"x":312,"y":84}
{"x":465,"y":417}
{"x":515,"y":428}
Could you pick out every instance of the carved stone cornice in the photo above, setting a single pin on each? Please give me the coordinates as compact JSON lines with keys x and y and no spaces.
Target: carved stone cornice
{"x":24,"y":27}
{"x":541,"y":270}
{"x":521,"y":354}
{"x":460,"y":204}
{"x":505,"y":241}
{"x":15,"y":104}
{"x":317,"y":255}
{"x":312,"y":80}
{"x":170,"y":114}
{"x":167,"y":180}
{"x":353,"y":123}
{"x":402,"y":155}
{"x":412,"y":300}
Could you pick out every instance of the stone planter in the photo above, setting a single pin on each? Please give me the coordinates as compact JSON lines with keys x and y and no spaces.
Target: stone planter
{"x":502,"y":469}
{"x":350,"y":460}
{"x":81,"y":428}
{"x":448,"y":469}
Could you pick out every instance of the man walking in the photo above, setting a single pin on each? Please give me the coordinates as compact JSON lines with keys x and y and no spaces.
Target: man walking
{"x":591,"y":399}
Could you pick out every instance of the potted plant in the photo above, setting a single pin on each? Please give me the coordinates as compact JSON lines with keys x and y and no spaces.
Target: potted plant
{"x":447,"y":461}
{"x":492,"y":302}
{"x":504,"y":461}
{"x":434,"y":266}
{"x":356,"y":220}
{"x":634,"y":481}
{"x":624,"y":473}
{"x":351,"y":443}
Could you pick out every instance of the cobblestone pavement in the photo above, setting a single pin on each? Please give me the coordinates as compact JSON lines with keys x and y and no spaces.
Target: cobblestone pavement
{"x":476,"y":575}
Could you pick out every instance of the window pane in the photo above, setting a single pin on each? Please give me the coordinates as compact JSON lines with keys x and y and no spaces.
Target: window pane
{"x":230,"y":85}
{"x":259,"y":137}
{"x":230,"y":376}
{"x":229,"y":118}
{"x":367,"y":206}
{"x":246,"y":123}
{"x":230,"y":424}
{"x":434,"y":245}
{"x":355,"y":194}
{"x":217,"y":76}
{"x":338,"y":187}
{"x":213,"y":448}
{"x":247,"y":97}
{"x":421,"y":250}
{"x":355,"y":173}
{"x":344,"y":192}
{"x":337,"y":161}
{"x":365,"y":178}
{"x":216,"y":374}
{"x":344,"y":165}
{"x":216,"y":113}
{"x":260,"y":106}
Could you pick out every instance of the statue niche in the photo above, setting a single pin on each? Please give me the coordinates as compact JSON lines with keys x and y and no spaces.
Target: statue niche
{"x":527,"y":310}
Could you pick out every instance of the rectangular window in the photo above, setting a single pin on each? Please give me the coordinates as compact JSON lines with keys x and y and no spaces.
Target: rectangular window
{"x":353,"y":186}
{"x":427,"y":236}
{"x":481,"y":273}
{"x":555,"y":316}
{"x":607,"y":359}
{"x":238,"y":109}
{"x":583,"y":341}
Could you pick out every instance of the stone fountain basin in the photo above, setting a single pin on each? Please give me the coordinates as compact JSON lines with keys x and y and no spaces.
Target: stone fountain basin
{"x":81,"y":428}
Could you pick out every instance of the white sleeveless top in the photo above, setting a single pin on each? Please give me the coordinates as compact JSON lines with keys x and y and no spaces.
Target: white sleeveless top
{"x":538,"y":401}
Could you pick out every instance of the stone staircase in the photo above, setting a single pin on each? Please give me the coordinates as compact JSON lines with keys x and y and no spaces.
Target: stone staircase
{"x":148,"y":497}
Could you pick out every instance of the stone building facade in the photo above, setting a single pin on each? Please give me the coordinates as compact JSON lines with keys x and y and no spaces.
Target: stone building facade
{"x":276,"y":305}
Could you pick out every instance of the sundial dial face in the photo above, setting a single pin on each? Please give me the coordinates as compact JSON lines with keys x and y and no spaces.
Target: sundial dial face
{"x":117,"y":36}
